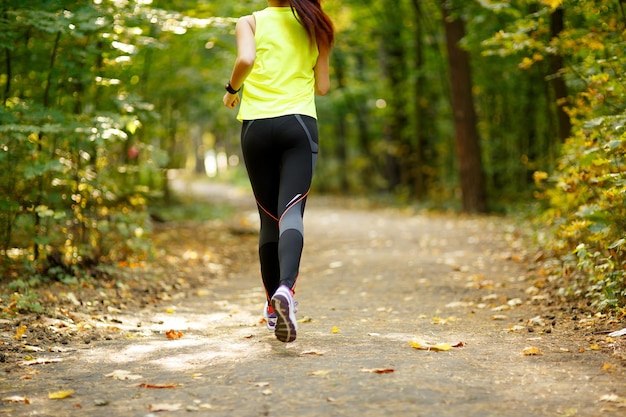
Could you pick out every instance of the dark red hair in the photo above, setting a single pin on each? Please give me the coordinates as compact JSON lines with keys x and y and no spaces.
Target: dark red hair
{"x":315,"y":21}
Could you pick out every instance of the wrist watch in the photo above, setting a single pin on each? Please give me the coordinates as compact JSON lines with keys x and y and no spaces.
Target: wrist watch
{"x":230,"y":88}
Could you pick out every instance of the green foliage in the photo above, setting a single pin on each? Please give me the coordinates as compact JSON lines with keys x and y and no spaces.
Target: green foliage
{"x":80,"y":147}
{"x":586,"y":194}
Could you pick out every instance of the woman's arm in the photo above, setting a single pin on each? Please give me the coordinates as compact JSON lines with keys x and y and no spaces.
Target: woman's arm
{"x":322,"y":72}
{"x":246,"y":55}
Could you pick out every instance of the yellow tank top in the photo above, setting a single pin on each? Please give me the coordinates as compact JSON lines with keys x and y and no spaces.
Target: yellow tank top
{"x":282,"y":80}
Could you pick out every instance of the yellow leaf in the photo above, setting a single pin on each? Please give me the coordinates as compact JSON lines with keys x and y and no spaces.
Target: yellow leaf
{"x":20,"y":332}
{"x":607,"y":366}
{"x":335,"y":330}
{"x":531,"y":351}
{"x":59,"y":395}
{"x":539,"y":176}
{"x":594,"y":347}
{"x":170,"y":311}
{"x":439,"y":347}
{"x":414,"y":344}
{"x":552,"y":3}
{"x":526,"y":63}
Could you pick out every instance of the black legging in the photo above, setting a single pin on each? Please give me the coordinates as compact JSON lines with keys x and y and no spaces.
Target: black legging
{"x":280,"y":155}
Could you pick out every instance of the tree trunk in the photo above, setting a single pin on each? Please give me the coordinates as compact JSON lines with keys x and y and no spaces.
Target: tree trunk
{"x":556,"y":79}
{"x":418,"y":180}
{"x":469,"y":159}
{"x":393,"y":61}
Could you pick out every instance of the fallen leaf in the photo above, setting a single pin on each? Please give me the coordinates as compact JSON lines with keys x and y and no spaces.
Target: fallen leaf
{"x":378,"y":371}
{"x":164,"y":407}
{"x":335,"y":330}
{"x":319,"y":373}
{"x":29,"y":348}
{"x":607,"y":366}
{"x":122,"y":375}
{"x":266,"y":392}
{"x":516,"y":328}
{"x":312,"y":353}
{"x":536,"y":321}
{"x":16,"y":399}
{"x":146,"y":385}
{"x":262,"y":384}
{"x":499,"y":317}
{"x":19,"y":332}
{"x":173,"y":334}
{"x":59,"y":395}
{"x":305,"y":319}
{"x":615,"y":399}
{"x":618,"y":333}
{"x":439,"y":347}
{"x":39,"y":361}
{"x":531,"y":351}
{"x":440,"y":320}
{"x":594,"y":347}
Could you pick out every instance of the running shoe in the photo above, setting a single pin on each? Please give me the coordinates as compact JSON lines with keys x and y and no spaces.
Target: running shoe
{"x":285,"y":309}
{"x":270,"y":317}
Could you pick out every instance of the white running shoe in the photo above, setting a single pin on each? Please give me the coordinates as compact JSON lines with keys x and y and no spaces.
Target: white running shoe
{"x":285,"y":310}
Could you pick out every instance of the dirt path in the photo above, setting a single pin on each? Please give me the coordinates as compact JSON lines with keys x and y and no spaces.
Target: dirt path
{"x":372,"y":281}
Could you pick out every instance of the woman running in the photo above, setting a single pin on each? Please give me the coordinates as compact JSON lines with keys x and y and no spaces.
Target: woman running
{"x":282,"y":62}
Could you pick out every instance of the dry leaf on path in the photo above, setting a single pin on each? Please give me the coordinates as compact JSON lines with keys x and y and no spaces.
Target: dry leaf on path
{"x":378,"y":370}
{"x":16,"y":399}
{"x":312,"y":353}
{"x":319,"y":373}
{"x":59,"y":395}
{"x":439,"y":347}
{"x":122,"y":375}
{"x":173,"y":334}
{"x":618,"y":333}
{"x":39,"y":361}
{"x":531,"y":351}
{"x":169,"y":385}
{"x":20,"y":332}
{"x":29,"y":348}
{"x":615,"y":399}
{"x":164,"y":407}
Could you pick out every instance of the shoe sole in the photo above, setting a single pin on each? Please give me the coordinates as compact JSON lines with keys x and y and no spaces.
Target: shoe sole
{"x":285,"y":329}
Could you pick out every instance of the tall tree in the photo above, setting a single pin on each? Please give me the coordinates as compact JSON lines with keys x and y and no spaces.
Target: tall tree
{"x":472,"y":177}
{"x":556,"y":77}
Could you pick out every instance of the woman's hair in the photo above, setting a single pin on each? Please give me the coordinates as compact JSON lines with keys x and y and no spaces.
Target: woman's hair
{"x":315,"y":21}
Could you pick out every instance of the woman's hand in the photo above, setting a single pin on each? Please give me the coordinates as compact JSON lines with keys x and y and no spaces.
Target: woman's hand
{"x":230,"y":100}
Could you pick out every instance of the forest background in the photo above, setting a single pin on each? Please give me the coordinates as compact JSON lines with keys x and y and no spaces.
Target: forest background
{"x":513,"y":107}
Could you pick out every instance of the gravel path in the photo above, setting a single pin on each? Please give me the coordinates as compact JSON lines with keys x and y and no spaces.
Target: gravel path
{"x":377,"y":287}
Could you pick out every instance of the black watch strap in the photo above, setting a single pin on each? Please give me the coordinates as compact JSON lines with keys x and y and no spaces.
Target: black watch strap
{"x":230,"y":88}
